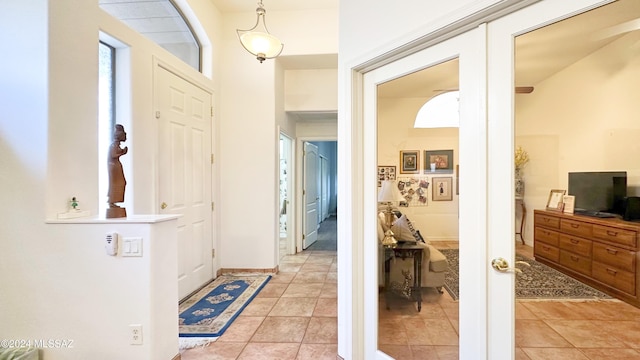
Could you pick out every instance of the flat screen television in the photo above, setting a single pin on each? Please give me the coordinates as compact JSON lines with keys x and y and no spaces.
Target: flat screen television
{"x":598,"y":193}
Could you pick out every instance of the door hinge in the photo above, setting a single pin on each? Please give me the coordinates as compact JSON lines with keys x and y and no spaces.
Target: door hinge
{"x":304,"y":192}
{"x":213,"y":206}
{"x":303,"y":236}
{"x":157,"y":114}
{"x":213,"y":253}
{"x":212,"y":111}
{"x":212,"y":159}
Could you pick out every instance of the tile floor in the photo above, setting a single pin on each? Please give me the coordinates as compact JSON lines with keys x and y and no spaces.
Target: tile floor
{"x":295,"y":317}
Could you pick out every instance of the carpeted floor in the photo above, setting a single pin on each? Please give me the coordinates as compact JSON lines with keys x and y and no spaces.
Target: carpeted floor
{"x":536,"y":282}
{"x":327,"y":235}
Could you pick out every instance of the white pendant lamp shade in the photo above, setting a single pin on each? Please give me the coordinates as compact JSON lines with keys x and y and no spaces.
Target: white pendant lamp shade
{"x":260,"y":42}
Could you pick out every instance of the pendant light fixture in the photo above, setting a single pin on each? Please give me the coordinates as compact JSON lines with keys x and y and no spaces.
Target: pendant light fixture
{"x":258,"y":41}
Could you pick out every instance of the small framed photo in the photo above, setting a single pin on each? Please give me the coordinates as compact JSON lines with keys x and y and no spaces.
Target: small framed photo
{"x":438,"y":161}
{"x":569,"y":203}
{"x":409,"y":160}
{"x":554,"y":203}
{"x":442,"y":190}
{"x":386,"y":173}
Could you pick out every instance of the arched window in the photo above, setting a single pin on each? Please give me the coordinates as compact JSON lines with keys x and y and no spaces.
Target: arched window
{"x":162,"y":22}
{"x":441,"y":111}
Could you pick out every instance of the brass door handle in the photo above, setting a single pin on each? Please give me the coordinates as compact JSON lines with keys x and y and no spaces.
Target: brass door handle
{"x":502,"y":265}
{"x":163,"y":205}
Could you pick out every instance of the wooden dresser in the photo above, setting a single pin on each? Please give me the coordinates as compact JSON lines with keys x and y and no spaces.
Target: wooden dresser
{"x":602,"y":253}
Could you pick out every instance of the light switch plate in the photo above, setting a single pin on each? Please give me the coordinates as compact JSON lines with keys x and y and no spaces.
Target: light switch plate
{"x":132,"y":246}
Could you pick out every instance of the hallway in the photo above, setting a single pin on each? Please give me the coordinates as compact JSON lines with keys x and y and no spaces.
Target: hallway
{"x":327,"y":235}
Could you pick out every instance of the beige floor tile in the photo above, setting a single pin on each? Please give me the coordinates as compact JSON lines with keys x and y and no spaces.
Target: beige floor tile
{"x":611,"y":354}
{"x":310,"y":277}
{"x":276,"y":329}
{"x":551,"y":310}
{"x":322,"y":330}
{"x":300,"y":258}
{"x":416,"y":330}
{"x":270,"y":351}
{"x":397,"y":351}
{"x":447,"y":352}
{"x":289,"y":267}
{"x":585,"y":334}
{"x":441,"y":332}
{"x":522,"y":312}
{"x":422,"y":352}
{"x":307,"y":267}
{"x":554,"y":354}
{"x":536,"y":333}
{"x":392,"y":332}
{"x":259,"y":306}
{"x":272,"y":290}
{"x":303,"y":290}
{"x":320,"y":259}
{"x":215,"y":350}
{"x":318,"y":352}
{"x":626,"y":331}
{"x":332,"y":277}
{"x":329,"y":290}
{"x":242,"y":328}
{"x":326,"y":307}
{"x":294,"y":307}
{"x":283,"y":277}
{"x":521,"y":355}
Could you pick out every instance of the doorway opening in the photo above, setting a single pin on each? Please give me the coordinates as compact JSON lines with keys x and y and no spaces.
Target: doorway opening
{"x":319,"y":193}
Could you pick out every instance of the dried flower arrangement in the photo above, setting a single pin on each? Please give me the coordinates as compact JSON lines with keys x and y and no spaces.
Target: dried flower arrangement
{"x":521,"y":158}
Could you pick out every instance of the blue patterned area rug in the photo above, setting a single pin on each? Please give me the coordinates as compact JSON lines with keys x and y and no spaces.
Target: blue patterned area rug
{"x":538,"y":281}
{"x":210,"y":311}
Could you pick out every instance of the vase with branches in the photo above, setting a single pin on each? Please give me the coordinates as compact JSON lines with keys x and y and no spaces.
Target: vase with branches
{"x":521,"y":159}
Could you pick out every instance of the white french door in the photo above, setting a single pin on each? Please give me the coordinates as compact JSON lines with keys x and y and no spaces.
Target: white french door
{"x":469,"y":49}
{"x":310,"y":194}
{"x":500,"y":150}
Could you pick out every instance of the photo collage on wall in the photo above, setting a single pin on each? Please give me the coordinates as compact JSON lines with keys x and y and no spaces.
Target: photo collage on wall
{"x":414,"y":189}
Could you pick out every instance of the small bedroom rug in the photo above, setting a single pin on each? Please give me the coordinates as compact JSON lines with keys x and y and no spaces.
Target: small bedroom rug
{"x":209,"y":312}
{"x":536,"y":282}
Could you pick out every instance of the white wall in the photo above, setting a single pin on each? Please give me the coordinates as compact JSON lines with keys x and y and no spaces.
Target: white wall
{"x":439,"y":219}
{"x":583,"y":118}
{"x":250,"y":113}
{"x":48,"y":137}
{"x":311,"y":90}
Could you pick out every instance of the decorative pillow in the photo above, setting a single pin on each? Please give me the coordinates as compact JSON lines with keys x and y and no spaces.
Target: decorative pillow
{"x":402,"y":230}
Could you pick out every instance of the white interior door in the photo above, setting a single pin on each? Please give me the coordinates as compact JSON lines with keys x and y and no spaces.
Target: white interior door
{"x":310,"y":194}
{"x":184,"y":173}
{"x":469,"y":48}
{"x":324,"y":187}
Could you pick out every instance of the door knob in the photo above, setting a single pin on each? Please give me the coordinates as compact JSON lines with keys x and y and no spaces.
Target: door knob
{"x":163,"y":205}
{"x":502,"y":265}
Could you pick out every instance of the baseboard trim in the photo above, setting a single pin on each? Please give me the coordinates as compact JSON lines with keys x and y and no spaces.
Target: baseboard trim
{"x":246,"y":270}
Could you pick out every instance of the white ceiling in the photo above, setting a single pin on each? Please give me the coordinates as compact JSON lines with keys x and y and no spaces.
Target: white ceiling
{"x":275,"y":5}
{"x":539,"y":53}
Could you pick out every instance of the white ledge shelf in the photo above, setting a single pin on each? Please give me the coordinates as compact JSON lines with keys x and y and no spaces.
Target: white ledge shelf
{"x":133,"y":219}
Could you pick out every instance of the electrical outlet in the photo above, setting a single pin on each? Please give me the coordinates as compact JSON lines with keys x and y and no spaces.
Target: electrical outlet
{"x":135,"y":333}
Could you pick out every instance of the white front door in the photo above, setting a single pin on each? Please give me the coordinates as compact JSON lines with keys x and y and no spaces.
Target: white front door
{"x":184,"y":172}
{"x":310,"y":194}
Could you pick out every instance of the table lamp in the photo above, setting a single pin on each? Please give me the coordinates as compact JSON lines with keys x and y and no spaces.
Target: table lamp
{"x":389,"y":194}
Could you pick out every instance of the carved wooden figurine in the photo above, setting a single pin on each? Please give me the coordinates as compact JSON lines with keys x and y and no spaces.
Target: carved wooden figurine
{"x":117,"y":182}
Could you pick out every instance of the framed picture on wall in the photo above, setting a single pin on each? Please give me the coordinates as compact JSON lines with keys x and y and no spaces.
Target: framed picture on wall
{"x":386,"y":172}
{"x":442,"y":190}
{"x":409,"y":160}
{"x":438,"y":161}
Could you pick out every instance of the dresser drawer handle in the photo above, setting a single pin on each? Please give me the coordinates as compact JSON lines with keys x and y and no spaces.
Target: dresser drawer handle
{"x":612,"y":252}
{"x":574,"y":258}
{"x":546,"y":248}
{"x":612,"y":233}
{"x":612,"y":272}
{"x":574,"y":241}
{"x":575,"y":226}
{"x":546,"y":219}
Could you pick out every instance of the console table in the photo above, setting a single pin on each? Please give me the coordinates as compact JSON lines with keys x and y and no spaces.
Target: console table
{"x":603,"y":253}
{"x":404,"y":251}
{"x":523,"y":209}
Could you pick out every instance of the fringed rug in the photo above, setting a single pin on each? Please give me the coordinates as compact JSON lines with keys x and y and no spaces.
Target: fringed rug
{"x":209,"y":312}
{"x":536,"y":282}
